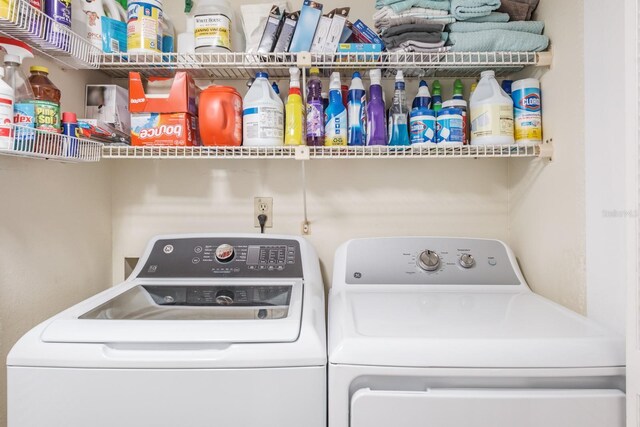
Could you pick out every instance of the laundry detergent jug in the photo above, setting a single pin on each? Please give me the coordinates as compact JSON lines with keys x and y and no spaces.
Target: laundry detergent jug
{"x":220,"y":115}
{"x":94,"y":11}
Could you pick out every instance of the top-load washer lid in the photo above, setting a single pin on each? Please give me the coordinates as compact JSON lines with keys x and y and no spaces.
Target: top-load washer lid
{"x":196,"y":290}
{"x":449,"y":313}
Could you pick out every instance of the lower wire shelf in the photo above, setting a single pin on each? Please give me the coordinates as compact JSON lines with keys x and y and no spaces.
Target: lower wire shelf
{"x":307,"y":153}
{"x":27,"y":142}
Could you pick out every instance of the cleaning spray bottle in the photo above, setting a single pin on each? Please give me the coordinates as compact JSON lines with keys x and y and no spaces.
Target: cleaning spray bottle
{"x":23,"y":111}
{"x":357,"y":111}
{"x":336,"y":125}
{"x":458,"y":90}
{"x":423,"y":99}
{"x":6,"y":113}
{"x":437,"y":96}
{"x":398,"y":127}
{"x":294,"y":111}
{"x":315,"y":109}
{"x":376,"y":112}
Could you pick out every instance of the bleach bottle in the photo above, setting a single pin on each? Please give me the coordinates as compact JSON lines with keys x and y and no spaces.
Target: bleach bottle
{"x":335,"y":130}
{"x":376,"y":111}
{"x":357,"y":109}
{"x":263,"y":114}
{"x":491,"y":113}
{"x":398,"y":127}
{"x":423,"y":99}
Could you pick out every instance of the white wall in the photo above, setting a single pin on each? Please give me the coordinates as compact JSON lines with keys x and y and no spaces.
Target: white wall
{"x":55,"y":233}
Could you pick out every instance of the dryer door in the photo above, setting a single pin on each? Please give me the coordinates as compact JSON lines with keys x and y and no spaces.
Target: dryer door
{"x":488,"y":408}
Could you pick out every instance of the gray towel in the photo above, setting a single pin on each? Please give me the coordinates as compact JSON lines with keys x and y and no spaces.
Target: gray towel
{"x":395,"y":41}
{"x":465,"y":9}
{"x":406,"y":20}
{"x":493,"y":17}
{"x":413,"y":28}
{"x":498,"y":41}
{"x":519,"y":10}
{"x":400,"y":5}
{"x":533,"y":27}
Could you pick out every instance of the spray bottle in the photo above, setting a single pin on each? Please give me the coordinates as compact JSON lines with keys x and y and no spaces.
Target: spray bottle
{"x":336,"y":125}
{"x":357,"y":109}
{"x":376,"y":120}
{"x":294,"y":111}
{"x":437,"y":96}
{"x":315,"y":109}
{"x":398,"y":127}
{"x":423,"y":99}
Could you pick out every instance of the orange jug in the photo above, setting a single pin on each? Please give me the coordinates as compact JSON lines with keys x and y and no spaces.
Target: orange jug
{"x":220,"y":115}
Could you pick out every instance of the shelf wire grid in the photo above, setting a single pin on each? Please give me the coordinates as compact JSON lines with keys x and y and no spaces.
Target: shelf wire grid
{"x":303,"y":152}
{"x":28,"y":142}
{"x":20,"y":20}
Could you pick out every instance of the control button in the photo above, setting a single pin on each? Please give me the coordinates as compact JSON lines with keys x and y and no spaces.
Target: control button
{"x":224,"y":297}
{"x":196,"y":260}
{"x":467,"y":261}
{"x":224,"y":253}
{"x":169,"y":299}
{"x":197,"y":249}
{"x":271,"y":267}
{"x":167,"y":249}
{"x":262,"y":313}
{"x":492,"y":262}
{"x":280,"y":267}
{"x":429,"y":260}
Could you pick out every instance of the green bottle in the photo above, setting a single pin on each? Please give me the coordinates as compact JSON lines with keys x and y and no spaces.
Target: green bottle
{"x":436,"y":96}
{"x":458,"y":89}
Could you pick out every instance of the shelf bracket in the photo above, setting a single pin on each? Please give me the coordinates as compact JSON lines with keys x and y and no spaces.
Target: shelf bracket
{"x":546,"y":150}
{"x":302,"y":152}
{"x":306,"y":227}
{"x":304,"y":60}
{"x":545,"y":59}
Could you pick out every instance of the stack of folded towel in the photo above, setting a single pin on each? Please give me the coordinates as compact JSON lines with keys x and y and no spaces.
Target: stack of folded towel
{"x":516,"y":36}
{"x":519,"y":10}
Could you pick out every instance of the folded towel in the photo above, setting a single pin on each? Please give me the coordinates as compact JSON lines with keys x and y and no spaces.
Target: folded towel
{"x":401,"y":5}
{"x":519,"y":10}
{"x":533,"y":27}
{"x":384,"y":16}
{"x":493,"y":17}
{"x":498,"y":41}
{"x":408,"y":48}
{"x":413,"y":28}
{"x":465,"y":9}
{"x":407,"y":20}
{"x":395,"y":41}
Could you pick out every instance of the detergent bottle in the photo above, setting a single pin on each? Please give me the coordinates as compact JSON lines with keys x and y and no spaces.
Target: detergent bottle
{"x":376,"y":120}
{"x":94,"y":11}
{"x":24,"y":113}
{"x":436,"y":101}
{"x":357,"y":111}
{"x":398,"y":126}
{"x":294,"y":111}
{"x":423,"y":99}
{"x":336,"y":124}
{"x":263,"y":114}
{"x":6,"y":113}
{"x":491,"y":113}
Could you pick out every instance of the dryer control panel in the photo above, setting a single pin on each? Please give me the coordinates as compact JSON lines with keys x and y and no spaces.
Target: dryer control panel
{"x":429,"y":261}
{"x":228,"y":257}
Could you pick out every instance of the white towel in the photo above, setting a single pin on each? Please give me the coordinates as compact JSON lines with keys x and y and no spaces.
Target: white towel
{"x":383,"y":17}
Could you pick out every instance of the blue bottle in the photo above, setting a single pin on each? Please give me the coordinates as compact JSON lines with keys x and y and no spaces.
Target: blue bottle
{"x":336,"y":125}
{"x":423,"y":99}
{"x":376,"y":111}
{"x":506,"y":86}
{"x":357,"y":108}
{"x":398,"y":126}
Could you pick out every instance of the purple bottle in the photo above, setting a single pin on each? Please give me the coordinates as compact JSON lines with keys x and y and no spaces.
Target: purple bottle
{"x":54,"y":30}
{"x":376,"y":112}
{"x":315,"y":109}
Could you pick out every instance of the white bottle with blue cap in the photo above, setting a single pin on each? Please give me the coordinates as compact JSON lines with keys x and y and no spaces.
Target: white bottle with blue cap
{"x":357,"y":109}
{"x":262,"y":115}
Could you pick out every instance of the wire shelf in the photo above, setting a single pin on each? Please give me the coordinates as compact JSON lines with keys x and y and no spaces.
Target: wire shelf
{"x":28,"y":142}
{"x":24,"y":22}
{"x":304,"y":153}
{"x":244,"y":65}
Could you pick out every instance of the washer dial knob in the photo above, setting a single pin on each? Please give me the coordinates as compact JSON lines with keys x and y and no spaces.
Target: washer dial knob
{"x":429,"y":261}
{"x":467,"y":261}
{"x":224,"y":253}
{"x":224,"y":297}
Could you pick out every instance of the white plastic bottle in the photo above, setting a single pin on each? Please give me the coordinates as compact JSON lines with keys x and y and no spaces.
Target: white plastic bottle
{"x":263,"y":114}
{"x":144,"y":26}
{"x":214,"y":27}
{"x":7,"y":98}
{"x":491,"y":113}
{"x":94,"y":11}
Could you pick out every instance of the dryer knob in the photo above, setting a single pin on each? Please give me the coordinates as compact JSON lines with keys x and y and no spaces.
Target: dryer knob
{"x":467,"y":261}
{"x":224,"y":297}
{"x":224,"y":253}
{"x":429,"y":261}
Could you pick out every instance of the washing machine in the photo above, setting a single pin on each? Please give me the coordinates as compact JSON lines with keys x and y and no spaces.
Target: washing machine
{"x":445,"y":332}
{"x":210,"y":330}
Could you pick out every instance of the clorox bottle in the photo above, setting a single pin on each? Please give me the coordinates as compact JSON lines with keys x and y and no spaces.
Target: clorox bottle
{"x":491,"y":113}
{"x":336,"y":126}
{"x":263,"y":114}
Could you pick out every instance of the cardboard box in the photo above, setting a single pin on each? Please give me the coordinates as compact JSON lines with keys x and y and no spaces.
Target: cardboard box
{"x":365,"y":34}
{"x":369,"y":52}
{"x":271,"y":30}
{"x":177,"y":95}
{"x":286,"y":33}
{"x":306,"y":28}
{"x":322,"y":31}
{"x":338,"y":24}
{"x":160,"y":129}
{"x":108,"y":104}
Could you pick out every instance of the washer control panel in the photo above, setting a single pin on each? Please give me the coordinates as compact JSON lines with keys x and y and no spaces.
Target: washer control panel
{"x":431,"y":261}
{"x":217,"y":257}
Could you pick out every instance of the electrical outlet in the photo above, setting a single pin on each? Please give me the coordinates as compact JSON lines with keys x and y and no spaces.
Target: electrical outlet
{"x":263,"y":205}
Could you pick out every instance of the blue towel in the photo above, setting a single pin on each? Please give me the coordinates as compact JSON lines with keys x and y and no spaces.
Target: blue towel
{"x":465,"y":9}
{"x":497,"y":41}
{"x":493,"y":17}
{"x":533,"y":27}
{"x":402,"y":5}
